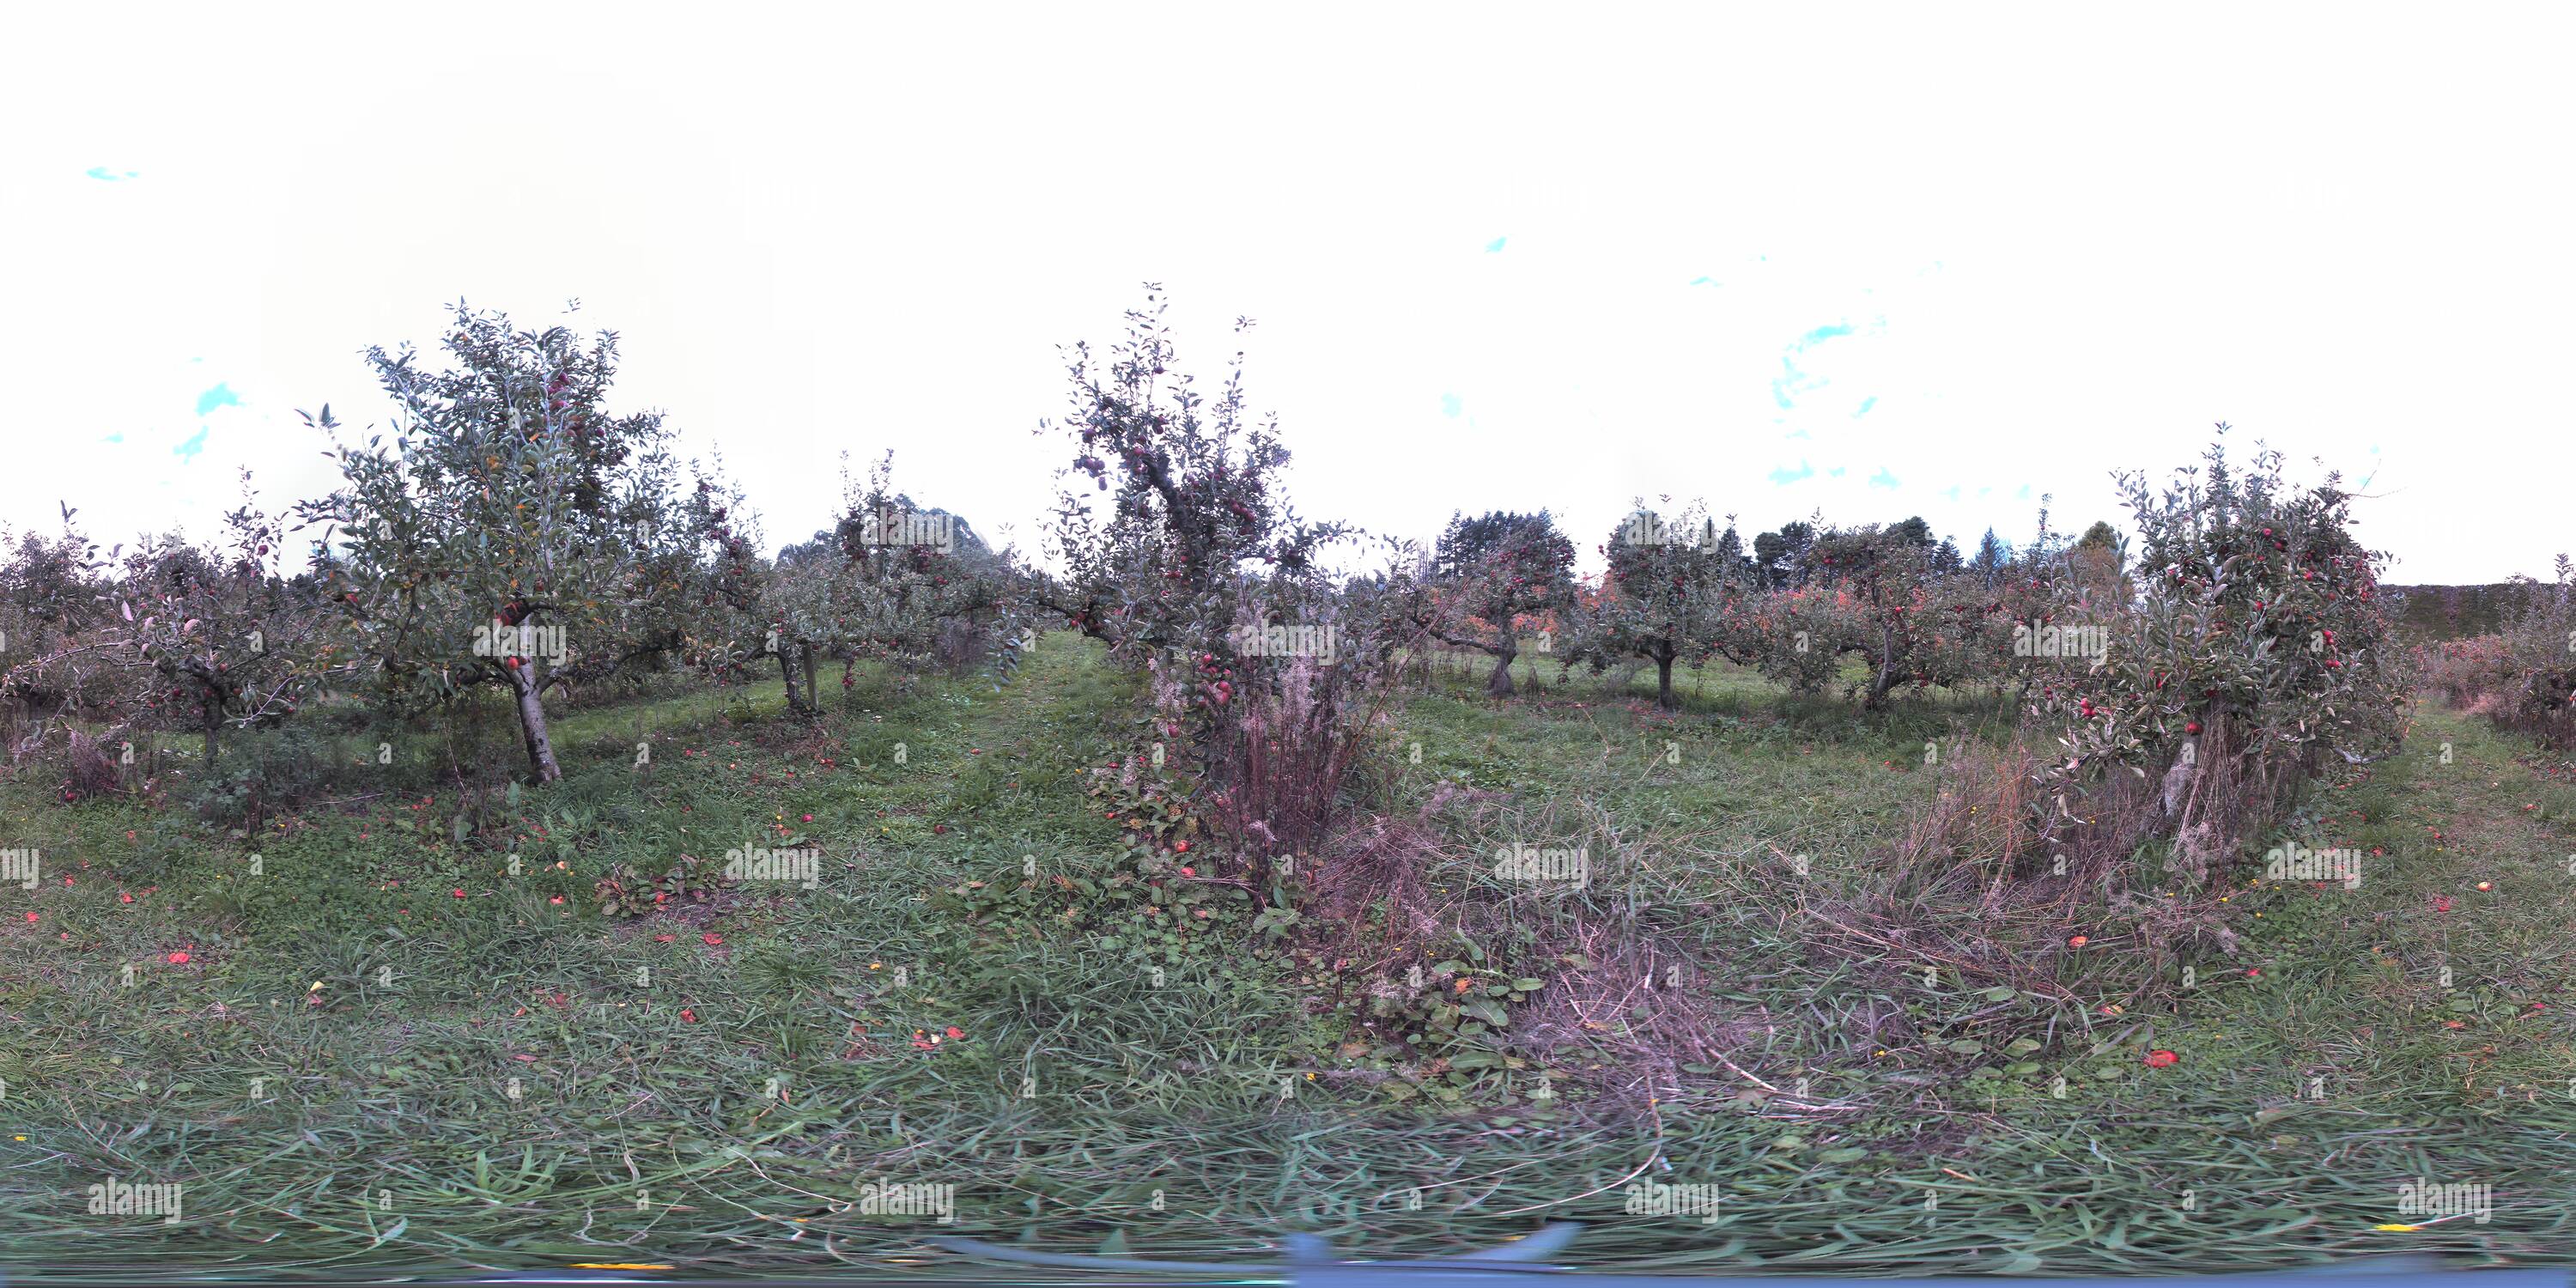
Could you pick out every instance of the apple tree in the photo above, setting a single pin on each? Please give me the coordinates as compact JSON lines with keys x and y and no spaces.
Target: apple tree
{"x":1192,"y":492}
{"x":1661,"y":599}
{"x":514,"y":522}
{"x":217,"y":636}
{"x":53,"y":594}
{"x":1492,"y":571}
{"x":2256,"y":656}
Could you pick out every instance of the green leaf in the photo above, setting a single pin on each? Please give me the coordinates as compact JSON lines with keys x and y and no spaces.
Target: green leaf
{"x":1968,"y":1046}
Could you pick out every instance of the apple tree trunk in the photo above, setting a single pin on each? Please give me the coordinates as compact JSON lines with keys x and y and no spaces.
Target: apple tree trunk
{"x":532,"y":722}
{"x":1499,"y":684}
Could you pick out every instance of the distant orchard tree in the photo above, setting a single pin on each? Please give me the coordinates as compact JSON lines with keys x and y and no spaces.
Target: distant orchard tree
{"x":1493,"y":570}
{"x":216,"y":636}
{"x":1662,"y":599}
{"x":891,"y":579}
{"x":50,"y":589}
{"x":53,"y":592}
{"x":917,"y":584}
{"x":1886,"y":608}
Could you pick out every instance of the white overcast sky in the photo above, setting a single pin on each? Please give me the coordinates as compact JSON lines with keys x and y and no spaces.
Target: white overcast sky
{"x":1880,"y":261}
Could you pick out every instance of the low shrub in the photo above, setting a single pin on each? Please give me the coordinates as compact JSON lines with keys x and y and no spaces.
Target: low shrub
{"x":2527,"y":680}
{"x":263,"y":772}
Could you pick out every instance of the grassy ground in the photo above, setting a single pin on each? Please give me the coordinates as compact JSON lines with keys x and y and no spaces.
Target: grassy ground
{"x":485,"y":1077}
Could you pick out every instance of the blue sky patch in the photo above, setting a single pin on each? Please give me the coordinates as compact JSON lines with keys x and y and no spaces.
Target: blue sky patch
{"x":1865,"y":405}
{"x":106,"y":175}
{"x":221,"y":395}
{"x":1883,"y":478}
{"x":1794,"y":381}
{"x":1822,"y":334}
{"x":1496,"y":245}
{"x":1784,"y":476}
{"x":196,"y":443}
{"x":1450,"y":406}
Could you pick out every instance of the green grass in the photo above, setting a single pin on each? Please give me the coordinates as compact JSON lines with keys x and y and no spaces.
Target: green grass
{"x":1087,"y":1098}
